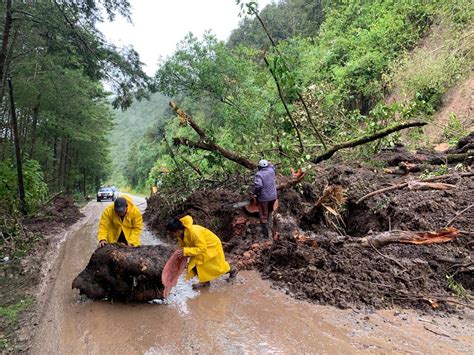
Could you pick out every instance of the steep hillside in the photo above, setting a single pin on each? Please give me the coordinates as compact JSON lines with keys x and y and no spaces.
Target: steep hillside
{"x":439,"y":71}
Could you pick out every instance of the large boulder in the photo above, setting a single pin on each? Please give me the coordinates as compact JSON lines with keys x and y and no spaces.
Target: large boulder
{"x":124,"y":273}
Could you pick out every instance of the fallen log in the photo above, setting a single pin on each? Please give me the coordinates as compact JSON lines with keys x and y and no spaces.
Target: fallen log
{"x":365,"y":139}
{"x":420,"y":185}
{"x":124,"y":273}
{"x":413,"y":182}
{"x":407,"y":237}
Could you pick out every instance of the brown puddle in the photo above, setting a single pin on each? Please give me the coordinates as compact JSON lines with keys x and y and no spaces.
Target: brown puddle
{"x":245,"y":317}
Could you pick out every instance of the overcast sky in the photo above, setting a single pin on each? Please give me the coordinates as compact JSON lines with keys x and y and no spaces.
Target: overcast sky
{"x":158,"y":25}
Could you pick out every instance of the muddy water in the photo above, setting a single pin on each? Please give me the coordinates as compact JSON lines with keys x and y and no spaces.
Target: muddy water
{"x":247,"y":316}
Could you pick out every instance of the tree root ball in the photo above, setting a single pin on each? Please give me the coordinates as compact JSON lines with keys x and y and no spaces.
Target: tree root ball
{"x":122,"y":273}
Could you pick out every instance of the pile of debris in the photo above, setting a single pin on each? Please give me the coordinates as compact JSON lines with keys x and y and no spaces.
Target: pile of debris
{"x":355,"y":236}
{"x":55,"y":215}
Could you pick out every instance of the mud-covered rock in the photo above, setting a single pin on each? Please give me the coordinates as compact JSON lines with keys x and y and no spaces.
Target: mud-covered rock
{"x":124,"y":273}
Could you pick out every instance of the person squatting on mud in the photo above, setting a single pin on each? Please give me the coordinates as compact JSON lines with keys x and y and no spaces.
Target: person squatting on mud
{"x":264,"y":190}
{"x":204,"y":248}
{"x":121,"y":222}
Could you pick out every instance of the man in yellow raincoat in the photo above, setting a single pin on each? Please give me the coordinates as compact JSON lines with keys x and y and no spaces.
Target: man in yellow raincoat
{"x":204,"y":248}
{"x":121,"y":222}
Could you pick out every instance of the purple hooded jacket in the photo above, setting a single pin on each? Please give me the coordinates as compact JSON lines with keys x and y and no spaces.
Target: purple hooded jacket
{"x":265,"y":184}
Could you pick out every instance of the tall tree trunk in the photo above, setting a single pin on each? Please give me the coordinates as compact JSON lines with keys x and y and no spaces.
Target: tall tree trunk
{"x":19,"y":167}
{"x":54,"y":169}
{"x":61,"y":164}
{"x":67,"y":167}
{"x":84,"y":181}
{"x":5,"y":40}
{"x":22,"y":132}
{"x":33,"y":126}
{"x":5,"y":139}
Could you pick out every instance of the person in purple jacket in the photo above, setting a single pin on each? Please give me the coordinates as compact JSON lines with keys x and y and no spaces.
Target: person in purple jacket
{"x":264,"y":190}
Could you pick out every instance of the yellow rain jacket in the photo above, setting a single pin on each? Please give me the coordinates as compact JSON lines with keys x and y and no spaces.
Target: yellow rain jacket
{"x":205,"y":251}
{"x":111,"y":225}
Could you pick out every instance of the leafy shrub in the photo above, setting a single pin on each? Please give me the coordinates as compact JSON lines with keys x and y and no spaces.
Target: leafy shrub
{"x":36,"y":189}
{"x":454,"y":130}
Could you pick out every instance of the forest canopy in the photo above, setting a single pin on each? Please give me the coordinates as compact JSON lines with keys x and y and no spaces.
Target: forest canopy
{"x":297,"y":78}
{"x":56,"y":115}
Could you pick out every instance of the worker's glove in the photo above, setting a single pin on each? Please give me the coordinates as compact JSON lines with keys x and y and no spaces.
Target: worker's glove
{"x":102,"y":243}
{"x":180,"y":254}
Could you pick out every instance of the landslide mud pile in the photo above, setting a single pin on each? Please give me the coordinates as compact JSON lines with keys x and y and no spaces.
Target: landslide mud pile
{"x":124,"y":273}
{"x":59,"y":213}
{"x":319,"y":255}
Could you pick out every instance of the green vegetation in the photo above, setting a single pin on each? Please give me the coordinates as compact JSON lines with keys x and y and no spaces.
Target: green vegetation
{"x":456,"y":287}
{"x":289,"y":90}
{"x":9,"y":319}
{"x":454,"y":130}
{"x":55,"y":121}
{"x":325,"y":84}
{"x":56,"y":118}
{"x":135,"y":142}
{"x":294,"y":80}
{"x":11,"y":312}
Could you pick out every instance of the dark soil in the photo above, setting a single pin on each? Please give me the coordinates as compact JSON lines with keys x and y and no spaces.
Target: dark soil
{"x":123,"y":273}
{"x":58,"y":214}
{"x":317,"y":257}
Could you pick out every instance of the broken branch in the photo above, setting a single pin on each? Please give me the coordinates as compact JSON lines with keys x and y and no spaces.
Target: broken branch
{"x":365,"y":139}
{"x":458,"y":214}
{"x":206,"y":142}
{"x":408,"y":237}
{"x":405,"y":184}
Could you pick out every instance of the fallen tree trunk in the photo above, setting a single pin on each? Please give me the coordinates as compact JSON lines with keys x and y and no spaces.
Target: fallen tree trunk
{"x":206,"y":142}
{"x":413,"y":183}
{"x":440,"y":236}
{"x":365,"y":139}
{"x":124,"y":273}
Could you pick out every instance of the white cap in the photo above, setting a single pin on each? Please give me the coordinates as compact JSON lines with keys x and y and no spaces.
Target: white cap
{"x":263,"y":163}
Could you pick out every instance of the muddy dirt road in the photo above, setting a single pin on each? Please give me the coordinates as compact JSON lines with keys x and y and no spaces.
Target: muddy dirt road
{"x":245,"y":317}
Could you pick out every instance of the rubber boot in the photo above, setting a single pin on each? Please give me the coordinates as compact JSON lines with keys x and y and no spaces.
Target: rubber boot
{"x":232,"y":273}
{"x":265,"y":230}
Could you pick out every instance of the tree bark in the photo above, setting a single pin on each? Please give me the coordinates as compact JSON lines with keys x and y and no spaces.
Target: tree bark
{"x":5,"y":40}
{"x":193,"y":166}
{"x":408,"y":237}
{"x":205,"y":142}
{"x":33,"y":126}
{"x":19,"y":167}
{"x":365,"y":139}
{"x":405,"y":184}
{"x":67,"y":165}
